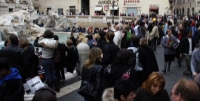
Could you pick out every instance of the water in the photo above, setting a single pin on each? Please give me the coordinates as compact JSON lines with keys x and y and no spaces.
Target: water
{"x":62,"y":38}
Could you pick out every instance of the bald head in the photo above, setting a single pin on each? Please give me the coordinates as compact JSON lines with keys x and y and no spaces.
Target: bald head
{"x":187,"y":89}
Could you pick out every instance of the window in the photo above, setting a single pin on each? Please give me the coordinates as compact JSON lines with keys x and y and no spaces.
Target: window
{"x":60,"y":11}
{"x":72,"y":10}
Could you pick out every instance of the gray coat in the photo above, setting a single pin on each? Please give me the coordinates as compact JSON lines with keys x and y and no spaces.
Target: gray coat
{"x":168,"y":50}
{"x":195,"y":61}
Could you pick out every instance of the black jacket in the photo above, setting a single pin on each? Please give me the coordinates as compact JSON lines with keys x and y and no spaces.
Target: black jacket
{"x":62,"y":48}
{"x":12,"y":90}
{"x":16,"y":58}
{"x":95,"y":75}
{"x":117,"y":73}
{"x":148,"y":62}
{"x":185,"y":45}
{"x":109,"y":53}
{"x":33,"y":61}
{"x":72,"y":58}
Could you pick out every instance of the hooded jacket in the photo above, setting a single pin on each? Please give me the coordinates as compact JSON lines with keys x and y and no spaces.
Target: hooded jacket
{"x":11,"y":87}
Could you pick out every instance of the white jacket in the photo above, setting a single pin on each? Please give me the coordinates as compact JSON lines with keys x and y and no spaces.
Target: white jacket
{"x":118,"y":38}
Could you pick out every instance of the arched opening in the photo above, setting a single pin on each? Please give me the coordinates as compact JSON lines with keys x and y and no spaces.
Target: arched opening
{"x":177,"y":11}
{"x":183,"y":11}
{"x":174,"y":11}
{"x":192,"y":11}
{"x":188,"y":11}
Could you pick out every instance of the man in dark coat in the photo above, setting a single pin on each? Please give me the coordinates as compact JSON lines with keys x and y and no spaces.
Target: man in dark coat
{"x":11,"y":86}
{"x":59,"y":66}
{"x":15,"y":55}
{"x":186,"y":48}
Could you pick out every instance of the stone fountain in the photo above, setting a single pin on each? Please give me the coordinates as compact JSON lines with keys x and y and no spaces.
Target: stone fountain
{"x":21,"y":23}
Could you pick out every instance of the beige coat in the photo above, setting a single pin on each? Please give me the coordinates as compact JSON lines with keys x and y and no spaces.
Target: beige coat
{"x":154,"y":33}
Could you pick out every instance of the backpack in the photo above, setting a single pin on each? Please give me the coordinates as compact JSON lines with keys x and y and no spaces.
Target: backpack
{"x":57,"y":55}
{"x":129,"y":36}
{"x":138,"y":66}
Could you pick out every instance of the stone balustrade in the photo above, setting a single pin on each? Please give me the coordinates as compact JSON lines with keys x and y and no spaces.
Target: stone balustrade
{"x":87,"y":18}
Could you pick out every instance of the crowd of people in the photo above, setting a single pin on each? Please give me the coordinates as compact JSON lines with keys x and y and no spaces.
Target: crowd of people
{"x":120,"y":65}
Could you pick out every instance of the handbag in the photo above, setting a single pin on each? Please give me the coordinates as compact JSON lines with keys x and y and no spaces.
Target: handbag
{"x":88,"y":89}
{"x":126,"y":76}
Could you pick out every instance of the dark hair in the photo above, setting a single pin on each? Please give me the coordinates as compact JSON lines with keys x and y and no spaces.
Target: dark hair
{"x":14,"y":39}
{"x":48,"y":34}
{"x":69,"y":42}
{"x":122,"y":87}
{"x":56,"y":37}
{"x":5,"y":43}
{"x":188,"y":90}
{"x":123,"y":57}
{"x":197,"y":25}
{"x":45,"y":94}
{"x":89,"y":36}
{"x":110,"y":36}
{"x":4,"y":64}
{"x":102,"y":34}
{"x":135,"y":41}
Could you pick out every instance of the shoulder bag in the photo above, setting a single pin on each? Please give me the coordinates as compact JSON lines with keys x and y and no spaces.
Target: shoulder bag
{"x":87,"y":89}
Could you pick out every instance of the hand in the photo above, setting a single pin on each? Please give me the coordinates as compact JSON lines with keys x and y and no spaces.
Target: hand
{"x":181,"y":55}
{"x":195,"y":74}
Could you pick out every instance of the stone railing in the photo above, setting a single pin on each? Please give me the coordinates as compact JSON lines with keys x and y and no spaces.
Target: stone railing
{"x":86,"y":18}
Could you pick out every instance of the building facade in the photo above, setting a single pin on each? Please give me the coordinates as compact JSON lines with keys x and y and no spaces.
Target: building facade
{"x":186,"y":7}
{"x":7,"y":6}
{"x":103,"y":7}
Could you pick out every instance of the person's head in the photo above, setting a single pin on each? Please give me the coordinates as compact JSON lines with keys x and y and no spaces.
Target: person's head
{"x":124,"y":33}
{"x":119,"y":27}
{"x":127,"y":28}
{"x":4,"y":68}
{"x":13,"y":39}
{"x":90,"y":37}
{"x":56,"y":37}
{"x":154,"y":84}
{"x":45,"y":94}
{"x":95,"y":55}
{"x":23,"y":43}
{"x":108,"y":24}
{"x":124,"y":57}
{"x":102,"y":34}
{"x":69,"y":42}
{"x":109,"y":36}
{"x":48,"y":34}
{"x":189,"y":33}
{"x":72,"y":34}
{"x":6,"y":43}
{"x":143,"y":42}
{"x":185,"y":90}
{"x":169,"y":32}
{"x":135,"y":41}
{"x":123,"y":90}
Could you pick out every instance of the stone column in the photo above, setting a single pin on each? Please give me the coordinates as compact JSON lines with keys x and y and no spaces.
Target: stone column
{"x":83,"y":52}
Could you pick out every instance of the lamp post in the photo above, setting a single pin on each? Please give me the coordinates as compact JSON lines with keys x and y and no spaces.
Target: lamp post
{"x":113,"y":12}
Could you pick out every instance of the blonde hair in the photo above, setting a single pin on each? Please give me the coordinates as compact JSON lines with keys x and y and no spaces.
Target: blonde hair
{"x":94,"y":56}
{"x":23,"y":43}
{"x":143,"y":42}
{"x":81,"y":38}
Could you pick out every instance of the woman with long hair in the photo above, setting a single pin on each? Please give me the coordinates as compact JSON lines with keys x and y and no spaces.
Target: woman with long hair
{"x":92,"y":73}
{"x":33,"y":60}
{"x":152,"y":89}
{"x":147,"y":59}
